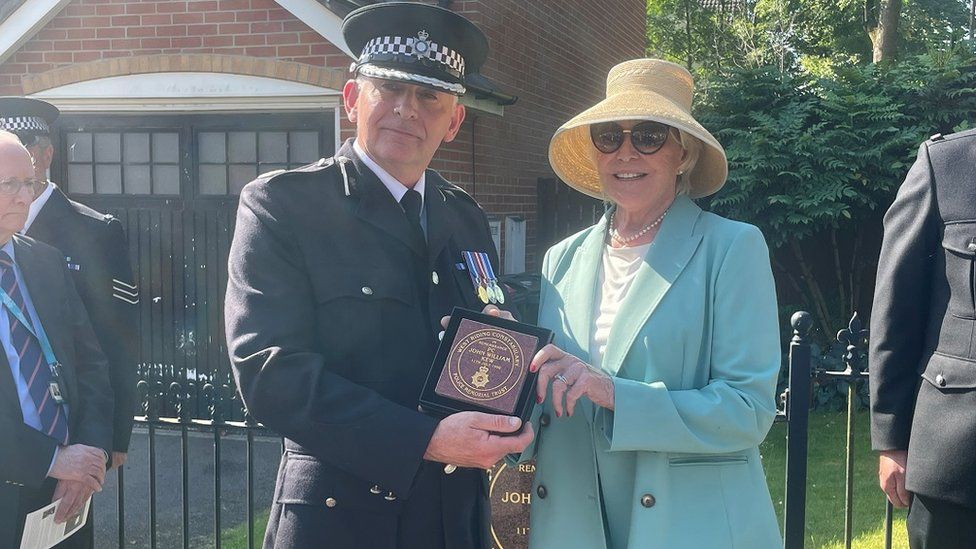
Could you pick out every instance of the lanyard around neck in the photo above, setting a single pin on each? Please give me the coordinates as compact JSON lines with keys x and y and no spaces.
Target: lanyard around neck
{"x":38,"y":333}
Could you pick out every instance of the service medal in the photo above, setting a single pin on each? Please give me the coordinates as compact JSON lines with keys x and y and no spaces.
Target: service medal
{"x":482,"y":293}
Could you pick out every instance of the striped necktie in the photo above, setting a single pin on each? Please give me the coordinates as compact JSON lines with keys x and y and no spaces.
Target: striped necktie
{"x":33,"y":367}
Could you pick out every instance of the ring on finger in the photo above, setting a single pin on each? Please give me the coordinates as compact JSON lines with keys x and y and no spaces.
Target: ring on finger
{"x":562,"y":378}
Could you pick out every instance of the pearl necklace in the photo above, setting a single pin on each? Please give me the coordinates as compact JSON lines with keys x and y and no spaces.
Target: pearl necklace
{"x":614,"y":234}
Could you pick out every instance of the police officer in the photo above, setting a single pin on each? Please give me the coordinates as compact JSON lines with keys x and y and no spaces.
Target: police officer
{"x":922,"y":355}
{"x":339,"y":275}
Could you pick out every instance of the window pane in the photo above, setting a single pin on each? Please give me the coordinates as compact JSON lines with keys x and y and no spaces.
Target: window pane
{"x":241,"y":175}
{"x":304,"y":147}
{"x":213,"y":179}
{"x":79,"y":147}
{"x":166,"y":147}
{"x":273,"y":147}
{"x":108,"y":177}
{"x":80,"y":178}
{"x":137,"y":177}
{"x":241,"y":147}
{"x":136,"y":149}
{"x":107,"y":148}
{"x":212,"y":148}
{"x":166,"y":179}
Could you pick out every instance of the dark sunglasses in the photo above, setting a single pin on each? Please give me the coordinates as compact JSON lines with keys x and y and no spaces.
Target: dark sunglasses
{"x":646,"y":137}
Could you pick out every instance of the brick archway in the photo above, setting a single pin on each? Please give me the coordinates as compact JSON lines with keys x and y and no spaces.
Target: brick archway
{"x":204,"y":62}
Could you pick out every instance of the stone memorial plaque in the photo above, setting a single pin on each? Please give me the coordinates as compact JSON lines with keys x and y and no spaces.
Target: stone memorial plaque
{"x":510,"y":493}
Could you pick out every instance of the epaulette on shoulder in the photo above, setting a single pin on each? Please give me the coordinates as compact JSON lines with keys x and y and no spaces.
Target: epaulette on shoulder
{"x":318,"y":165}
{"x":451,"y":189}
{"x":952,"y":136}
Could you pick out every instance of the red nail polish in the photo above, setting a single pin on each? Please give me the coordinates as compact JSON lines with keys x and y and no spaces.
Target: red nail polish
{"x":538,"y":399}
{"x":558,"y":414}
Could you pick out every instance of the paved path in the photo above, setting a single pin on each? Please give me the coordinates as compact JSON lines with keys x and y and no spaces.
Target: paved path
{"x":169,"y":502}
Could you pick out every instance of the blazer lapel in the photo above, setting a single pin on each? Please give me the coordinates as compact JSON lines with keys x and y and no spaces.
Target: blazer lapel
{"x":581,"y":285}
{"x":377,"y":206}
{"x":673,"y":247}
{"x":8,"y":390}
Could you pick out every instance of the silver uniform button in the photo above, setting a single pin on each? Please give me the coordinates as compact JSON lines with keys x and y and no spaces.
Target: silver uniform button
{"x":367,"y":290}
{"x":436,"y":279}
{"x":375,"y":489}
{"x":971,"y":247}
{"x":330,"y":502}
{"x":390,"y":496}
{"x":449,"y":468}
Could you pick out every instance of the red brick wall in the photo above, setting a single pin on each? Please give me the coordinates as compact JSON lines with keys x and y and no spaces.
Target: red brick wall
{"x":554,"y":55}
{"x":87,"y":30}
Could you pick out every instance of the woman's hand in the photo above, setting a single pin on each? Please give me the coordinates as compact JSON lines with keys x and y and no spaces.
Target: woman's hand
{"x":571,"y":379}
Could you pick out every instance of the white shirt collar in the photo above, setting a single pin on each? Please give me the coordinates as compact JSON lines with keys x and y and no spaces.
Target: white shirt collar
{"x":36,"y":205}
{"x":396,"y":188}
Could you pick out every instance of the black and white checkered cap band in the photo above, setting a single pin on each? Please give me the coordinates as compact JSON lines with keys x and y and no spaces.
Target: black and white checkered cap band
{"x":18,"y":124}
{"x":406,"y":45}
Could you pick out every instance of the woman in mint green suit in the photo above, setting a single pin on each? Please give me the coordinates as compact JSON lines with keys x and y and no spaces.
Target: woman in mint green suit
{"x":660,"y":383}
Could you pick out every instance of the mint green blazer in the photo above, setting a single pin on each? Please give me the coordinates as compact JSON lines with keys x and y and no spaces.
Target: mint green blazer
{"x":695,"y":355}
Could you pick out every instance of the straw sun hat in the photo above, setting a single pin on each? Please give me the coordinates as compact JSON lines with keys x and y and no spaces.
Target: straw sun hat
{"x":641,"y":89}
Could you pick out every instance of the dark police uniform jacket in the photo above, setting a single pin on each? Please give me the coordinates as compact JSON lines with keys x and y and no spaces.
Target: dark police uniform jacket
{"x":923,"y":351}
{"x":332,"y":315}
{"x":97,"y":256}
{"x":25,"y":453}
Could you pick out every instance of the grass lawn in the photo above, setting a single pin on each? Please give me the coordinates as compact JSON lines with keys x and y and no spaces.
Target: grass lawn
{"x":825,"y":488}
{"x":825,"y":484}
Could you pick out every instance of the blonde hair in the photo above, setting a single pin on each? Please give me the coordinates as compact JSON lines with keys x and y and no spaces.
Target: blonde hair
{"x":693,"y":148}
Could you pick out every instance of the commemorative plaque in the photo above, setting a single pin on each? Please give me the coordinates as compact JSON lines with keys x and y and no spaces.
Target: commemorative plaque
{"x":482,"y":365}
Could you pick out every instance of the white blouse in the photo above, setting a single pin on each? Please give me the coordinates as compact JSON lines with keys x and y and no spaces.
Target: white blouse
{"x":620,"y":266}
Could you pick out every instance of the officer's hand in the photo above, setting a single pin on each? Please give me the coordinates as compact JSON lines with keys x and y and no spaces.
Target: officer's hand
{"x":891,"y":476}
{"x":474,"y":439}
{"x":85,"y":464}
{"x":488,"y":310}
{"x":119,"y":459}
{"x":73,"y":495}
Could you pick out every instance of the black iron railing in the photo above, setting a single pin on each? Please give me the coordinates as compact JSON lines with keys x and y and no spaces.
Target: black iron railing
{"x":213,"y":408}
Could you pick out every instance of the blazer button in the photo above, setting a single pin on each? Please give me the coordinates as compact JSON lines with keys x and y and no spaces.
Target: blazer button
{"x":544,"y":420}
{"x":367,"y":290}
{"x":541,"y":492}
{"x":390,"y":496}
{"x":375,"y":489}
{"x":648,"y":500}
{"x":941,"y":380}
{"x":330,"y":502}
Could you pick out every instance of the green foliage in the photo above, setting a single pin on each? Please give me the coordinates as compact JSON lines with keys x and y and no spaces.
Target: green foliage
{"x":792,"y":33}
{"x":818,"y":157}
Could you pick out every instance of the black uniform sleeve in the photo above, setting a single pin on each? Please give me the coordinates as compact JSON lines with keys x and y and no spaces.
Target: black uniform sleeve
{"x":93,"y":405}
{"x":901,"y":305}
{"x":270,"y":315}
{"x":116,"y":323}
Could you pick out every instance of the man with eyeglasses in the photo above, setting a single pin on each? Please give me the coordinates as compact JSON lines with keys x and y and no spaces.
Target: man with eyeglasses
{"x":96,"y":254}
{"x":56,"y":417}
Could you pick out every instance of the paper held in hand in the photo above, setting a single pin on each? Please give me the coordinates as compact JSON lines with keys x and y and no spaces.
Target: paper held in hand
{"x":41,"y":532}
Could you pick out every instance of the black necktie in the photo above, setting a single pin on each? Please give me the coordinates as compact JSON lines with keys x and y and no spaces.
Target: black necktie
{"x":412,"y":203}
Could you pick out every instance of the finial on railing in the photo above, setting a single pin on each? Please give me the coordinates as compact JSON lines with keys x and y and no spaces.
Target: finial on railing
{"x":855,"y":337}
{"x":801,"y":321}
